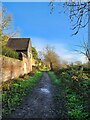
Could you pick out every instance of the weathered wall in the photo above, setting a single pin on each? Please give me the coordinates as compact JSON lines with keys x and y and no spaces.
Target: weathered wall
{"x":13,"y":68}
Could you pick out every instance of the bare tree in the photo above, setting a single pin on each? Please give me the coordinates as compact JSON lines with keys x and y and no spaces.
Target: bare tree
{"x":79,"y":12}
{"x":6,"y":29}
{"x":85,"y":50}
{"x":51,"y":57}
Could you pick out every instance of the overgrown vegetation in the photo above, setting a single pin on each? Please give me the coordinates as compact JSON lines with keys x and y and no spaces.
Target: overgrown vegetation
{"x":14,"y":92}
{"x":9,"y":52}
{"x":76,"y":83}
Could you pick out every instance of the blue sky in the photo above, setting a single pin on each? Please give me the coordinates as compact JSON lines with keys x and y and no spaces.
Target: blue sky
{"x":35,"y":21}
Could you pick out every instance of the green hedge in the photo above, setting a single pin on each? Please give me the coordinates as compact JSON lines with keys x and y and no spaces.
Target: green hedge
{"x":9,"y":52}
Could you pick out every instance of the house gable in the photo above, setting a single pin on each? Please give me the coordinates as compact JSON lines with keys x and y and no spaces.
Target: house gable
{"x":20,"y":45}
{"x":29,"y":50}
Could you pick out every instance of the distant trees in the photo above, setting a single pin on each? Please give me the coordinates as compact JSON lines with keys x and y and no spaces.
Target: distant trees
{"x":51,"y":57}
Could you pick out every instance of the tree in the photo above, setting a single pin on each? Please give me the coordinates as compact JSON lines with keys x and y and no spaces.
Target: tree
{"x":85,"y":50}
{"x":6,"y":30}
{"x":51,"y":57}
{"x":34,"y":53}
{"x":79,"y":12}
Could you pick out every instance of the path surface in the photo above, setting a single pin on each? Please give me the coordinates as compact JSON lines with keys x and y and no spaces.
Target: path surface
{"x":39,"y":103}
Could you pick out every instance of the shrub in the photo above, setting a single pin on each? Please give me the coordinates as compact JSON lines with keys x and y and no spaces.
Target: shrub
{"x":35,"y":69}
{"x":9,"y":52}
{"x":25,"y":76}
{"x":31,"y":73}
{"x":76,"y":84}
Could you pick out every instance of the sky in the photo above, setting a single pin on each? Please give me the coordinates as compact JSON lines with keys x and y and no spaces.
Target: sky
{"x":33,"y":20}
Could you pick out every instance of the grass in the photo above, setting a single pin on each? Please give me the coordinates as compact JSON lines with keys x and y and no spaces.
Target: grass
{"x":13,"y":96}
{"x":59,"y":97}
{"x":54,"y":79}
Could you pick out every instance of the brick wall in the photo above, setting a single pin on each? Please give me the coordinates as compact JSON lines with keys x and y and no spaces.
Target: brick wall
{"x":13,"y":68}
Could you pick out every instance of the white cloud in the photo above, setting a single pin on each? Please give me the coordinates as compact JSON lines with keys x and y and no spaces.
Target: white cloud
{"x":83,"y":59}
{"x":60,"y":48}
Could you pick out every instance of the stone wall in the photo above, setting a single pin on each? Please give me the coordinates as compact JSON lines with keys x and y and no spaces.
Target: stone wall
{"x":13,"y":68}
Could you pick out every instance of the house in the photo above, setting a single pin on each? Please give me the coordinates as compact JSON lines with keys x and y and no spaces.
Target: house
{"x":21,"y":45}
{"x":24,"y":49}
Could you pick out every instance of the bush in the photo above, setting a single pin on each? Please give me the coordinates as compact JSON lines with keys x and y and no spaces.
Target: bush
{"x":35,"y":69}
{"x":76,"y":84}
{"x":31,"y":73}
{"x":9,"y":52}
{"x":25,"y":76}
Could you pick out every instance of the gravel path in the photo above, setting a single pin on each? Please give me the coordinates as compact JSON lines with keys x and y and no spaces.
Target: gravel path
{"x":39,"y":103}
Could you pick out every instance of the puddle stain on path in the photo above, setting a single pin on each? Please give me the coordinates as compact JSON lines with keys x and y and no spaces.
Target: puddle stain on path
{"x":45,"y":90}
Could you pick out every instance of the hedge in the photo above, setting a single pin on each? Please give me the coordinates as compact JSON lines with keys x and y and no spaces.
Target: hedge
{"x":9,"y":52}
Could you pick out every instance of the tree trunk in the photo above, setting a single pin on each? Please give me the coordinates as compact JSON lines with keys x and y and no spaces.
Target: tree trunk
{"x":89,"y":64}
{"x":51,"y":66}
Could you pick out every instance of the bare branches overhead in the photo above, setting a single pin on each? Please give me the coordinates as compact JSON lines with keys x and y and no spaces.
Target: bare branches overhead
{"x":85,"y":50}
{"x":78,"y":13}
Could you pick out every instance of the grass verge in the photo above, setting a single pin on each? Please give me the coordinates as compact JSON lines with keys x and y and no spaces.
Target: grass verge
{"x":59,"y":97}
{"x":16,"y":91}
{"x":76,"y":104}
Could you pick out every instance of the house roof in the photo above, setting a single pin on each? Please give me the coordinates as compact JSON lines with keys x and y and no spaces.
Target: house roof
{"x":18,"y":43}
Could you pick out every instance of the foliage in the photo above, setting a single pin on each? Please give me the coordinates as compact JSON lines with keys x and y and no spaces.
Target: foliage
{"x":76,"y":84}
{"x":13,"y":95}
{"x":35,"y":69}
{"x":36,"y":57}
{"x":25,"y":76}
{"x":9,"y":52}
{"x":34,"y":53}
{"x":76,"y":106}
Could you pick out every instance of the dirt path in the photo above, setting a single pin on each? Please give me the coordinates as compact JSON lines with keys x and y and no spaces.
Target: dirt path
{"x":39,"y":103}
